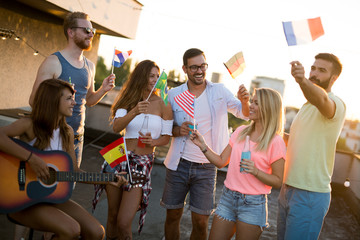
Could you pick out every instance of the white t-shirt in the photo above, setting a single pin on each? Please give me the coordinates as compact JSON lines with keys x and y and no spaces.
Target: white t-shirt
{"x":203,"y":122}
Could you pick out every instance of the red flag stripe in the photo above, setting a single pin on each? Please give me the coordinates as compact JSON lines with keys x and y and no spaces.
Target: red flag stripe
{"x":118,"y":161}
{"x":111,"y":146}
{"x":186,"y":101}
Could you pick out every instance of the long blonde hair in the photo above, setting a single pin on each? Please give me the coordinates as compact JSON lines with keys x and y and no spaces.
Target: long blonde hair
{"x":271,"y":117}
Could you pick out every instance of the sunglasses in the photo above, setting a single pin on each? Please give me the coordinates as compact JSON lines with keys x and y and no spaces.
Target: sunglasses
{"x":87,"y":30}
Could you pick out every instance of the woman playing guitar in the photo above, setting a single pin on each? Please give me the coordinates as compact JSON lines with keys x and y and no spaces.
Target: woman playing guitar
{"x":46,"y":129}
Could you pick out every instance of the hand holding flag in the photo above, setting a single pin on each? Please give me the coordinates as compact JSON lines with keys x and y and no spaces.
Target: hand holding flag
{"x":235,"y":65}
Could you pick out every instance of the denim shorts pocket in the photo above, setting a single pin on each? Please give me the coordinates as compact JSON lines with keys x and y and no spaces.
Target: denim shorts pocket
{"x":255,"y":199}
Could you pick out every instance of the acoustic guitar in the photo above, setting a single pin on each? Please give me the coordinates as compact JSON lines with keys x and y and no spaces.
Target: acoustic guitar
{"x":21,"y":188}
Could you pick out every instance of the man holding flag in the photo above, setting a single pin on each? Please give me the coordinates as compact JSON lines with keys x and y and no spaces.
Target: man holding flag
{"x":206,"y":104}
{"x":305,"y":196}
{"x":72,"y":66}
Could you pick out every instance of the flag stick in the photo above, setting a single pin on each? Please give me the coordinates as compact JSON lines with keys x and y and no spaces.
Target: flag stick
{"x":194,"y":115}
{"x":155,"y":85}
{"x":127,"y":160}
{"x":112,"y":65}
{"x":228,"y":71}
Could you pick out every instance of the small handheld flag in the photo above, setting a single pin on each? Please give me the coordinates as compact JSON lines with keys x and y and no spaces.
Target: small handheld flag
{"x":115,"y":152}
{"x":161,"y":87}
{"x":303,"y":31}
{"x":235,"y":65}
{"x":120,"y":57}
{"x":186,"y":101}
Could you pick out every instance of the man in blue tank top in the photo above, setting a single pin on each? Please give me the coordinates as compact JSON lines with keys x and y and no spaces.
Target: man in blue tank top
{"x":71,"y":65}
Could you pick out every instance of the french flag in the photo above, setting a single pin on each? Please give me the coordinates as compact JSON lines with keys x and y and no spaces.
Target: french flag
{"x":303,"y":31}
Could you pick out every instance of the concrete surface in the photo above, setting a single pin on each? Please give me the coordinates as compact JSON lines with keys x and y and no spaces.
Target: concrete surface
{"x":340,"y":222}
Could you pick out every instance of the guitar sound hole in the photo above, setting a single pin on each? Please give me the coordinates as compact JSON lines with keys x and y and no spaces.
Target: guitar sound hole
{"x":52,"y":177}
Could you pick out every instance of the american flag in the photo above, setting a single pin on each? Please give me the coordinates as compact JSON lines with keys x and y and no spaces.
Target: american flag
{"x":186,"y":101}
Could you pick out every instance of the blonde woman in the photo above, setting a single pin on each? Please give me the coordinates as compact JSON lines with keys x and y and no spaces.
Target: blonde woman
{"x":243,"y":203}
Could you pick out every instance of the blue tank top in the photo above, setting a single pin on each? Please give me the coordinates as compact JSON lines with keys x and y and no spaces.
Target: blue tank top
{"x":81,"y":78}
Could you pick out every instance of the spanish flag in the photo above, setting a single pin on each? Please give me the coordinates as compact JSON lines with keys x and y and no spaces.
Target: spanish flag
{"x":115,"y":152}
{"x":235,"y":65}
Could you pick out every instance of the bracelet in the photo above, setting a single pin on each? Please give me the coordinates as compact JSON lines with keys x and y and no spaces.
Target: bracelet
{"x":29,"y":157}
{"x":205,"y":150}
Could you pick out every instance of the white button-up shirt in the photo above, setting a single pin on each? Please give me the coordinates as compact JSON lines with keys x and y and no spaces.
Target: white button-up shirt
{"x":221,"y":101}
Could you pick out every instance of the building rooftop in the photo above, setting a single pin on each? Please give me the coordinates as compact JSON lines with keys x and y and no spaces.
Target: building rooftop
{"x":340,"y":223}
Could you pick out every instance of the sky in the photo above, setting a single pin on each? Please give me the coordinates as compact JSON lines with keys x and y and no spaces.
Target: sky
{"x":167,"y":28}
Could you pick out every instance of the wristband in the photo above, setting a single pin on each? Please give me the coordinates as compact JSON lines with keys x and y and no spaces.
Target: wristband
{"x":29,"y":157}
{"x":205,"y":150}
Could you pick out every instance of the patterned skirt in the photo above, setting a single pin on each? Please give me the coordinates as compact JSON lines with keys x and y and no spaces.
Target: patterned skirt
{"x":141,"y":163}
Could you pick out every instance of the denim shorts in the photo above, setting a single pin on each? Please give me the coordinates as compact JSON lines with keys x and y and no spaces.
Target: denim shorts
{"x":235,"y":206}
{"x":198,"y":179}
{"x":301,"y":213}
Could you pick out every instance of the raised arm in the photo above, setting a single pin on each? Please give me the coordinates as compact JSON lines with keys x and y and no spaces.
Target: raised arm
{"x":92,"y":96}
{"x":244,"y":96}
{"x":316,"y":95}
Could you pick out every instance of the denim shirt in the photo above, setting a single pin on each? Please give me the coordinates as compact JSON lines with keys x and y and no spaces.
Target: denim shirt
{"x":221,"y":101}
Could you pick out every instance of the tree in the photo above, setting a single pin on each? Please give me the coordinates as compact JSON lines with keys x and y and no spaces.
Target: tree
{"x":235,"y":122}
{"x":122,"y":73}
{"x":101,"y":72}
{"x":172,"y":75}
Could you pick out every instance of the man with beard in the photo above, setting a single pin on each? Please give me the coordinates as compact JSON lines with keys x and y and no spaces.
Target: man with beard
{"x":188,"y":170}
{"x":305,"y":195}
{"x":72,"y":66}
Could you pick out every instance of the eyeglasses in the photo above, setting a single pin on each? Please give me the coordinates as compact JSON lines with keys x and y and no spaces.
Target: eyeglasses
{"x":87,"y":30}
{"x":194,"y":68}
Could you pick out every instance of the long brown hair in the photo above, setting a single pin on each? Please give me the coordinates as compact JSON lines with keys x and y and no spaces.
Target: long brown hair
{"x":45,"y":113}
{"x":132,"y":91}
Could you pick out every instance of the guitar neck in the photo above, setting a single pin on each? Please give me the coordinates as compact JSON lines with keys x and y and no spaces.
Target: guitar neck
{"x":86,"y":177}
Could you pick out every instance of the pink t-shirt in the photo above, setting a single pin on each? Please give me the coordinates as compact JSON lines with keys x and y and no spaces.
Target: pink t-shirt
{"x":246,"y":183}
